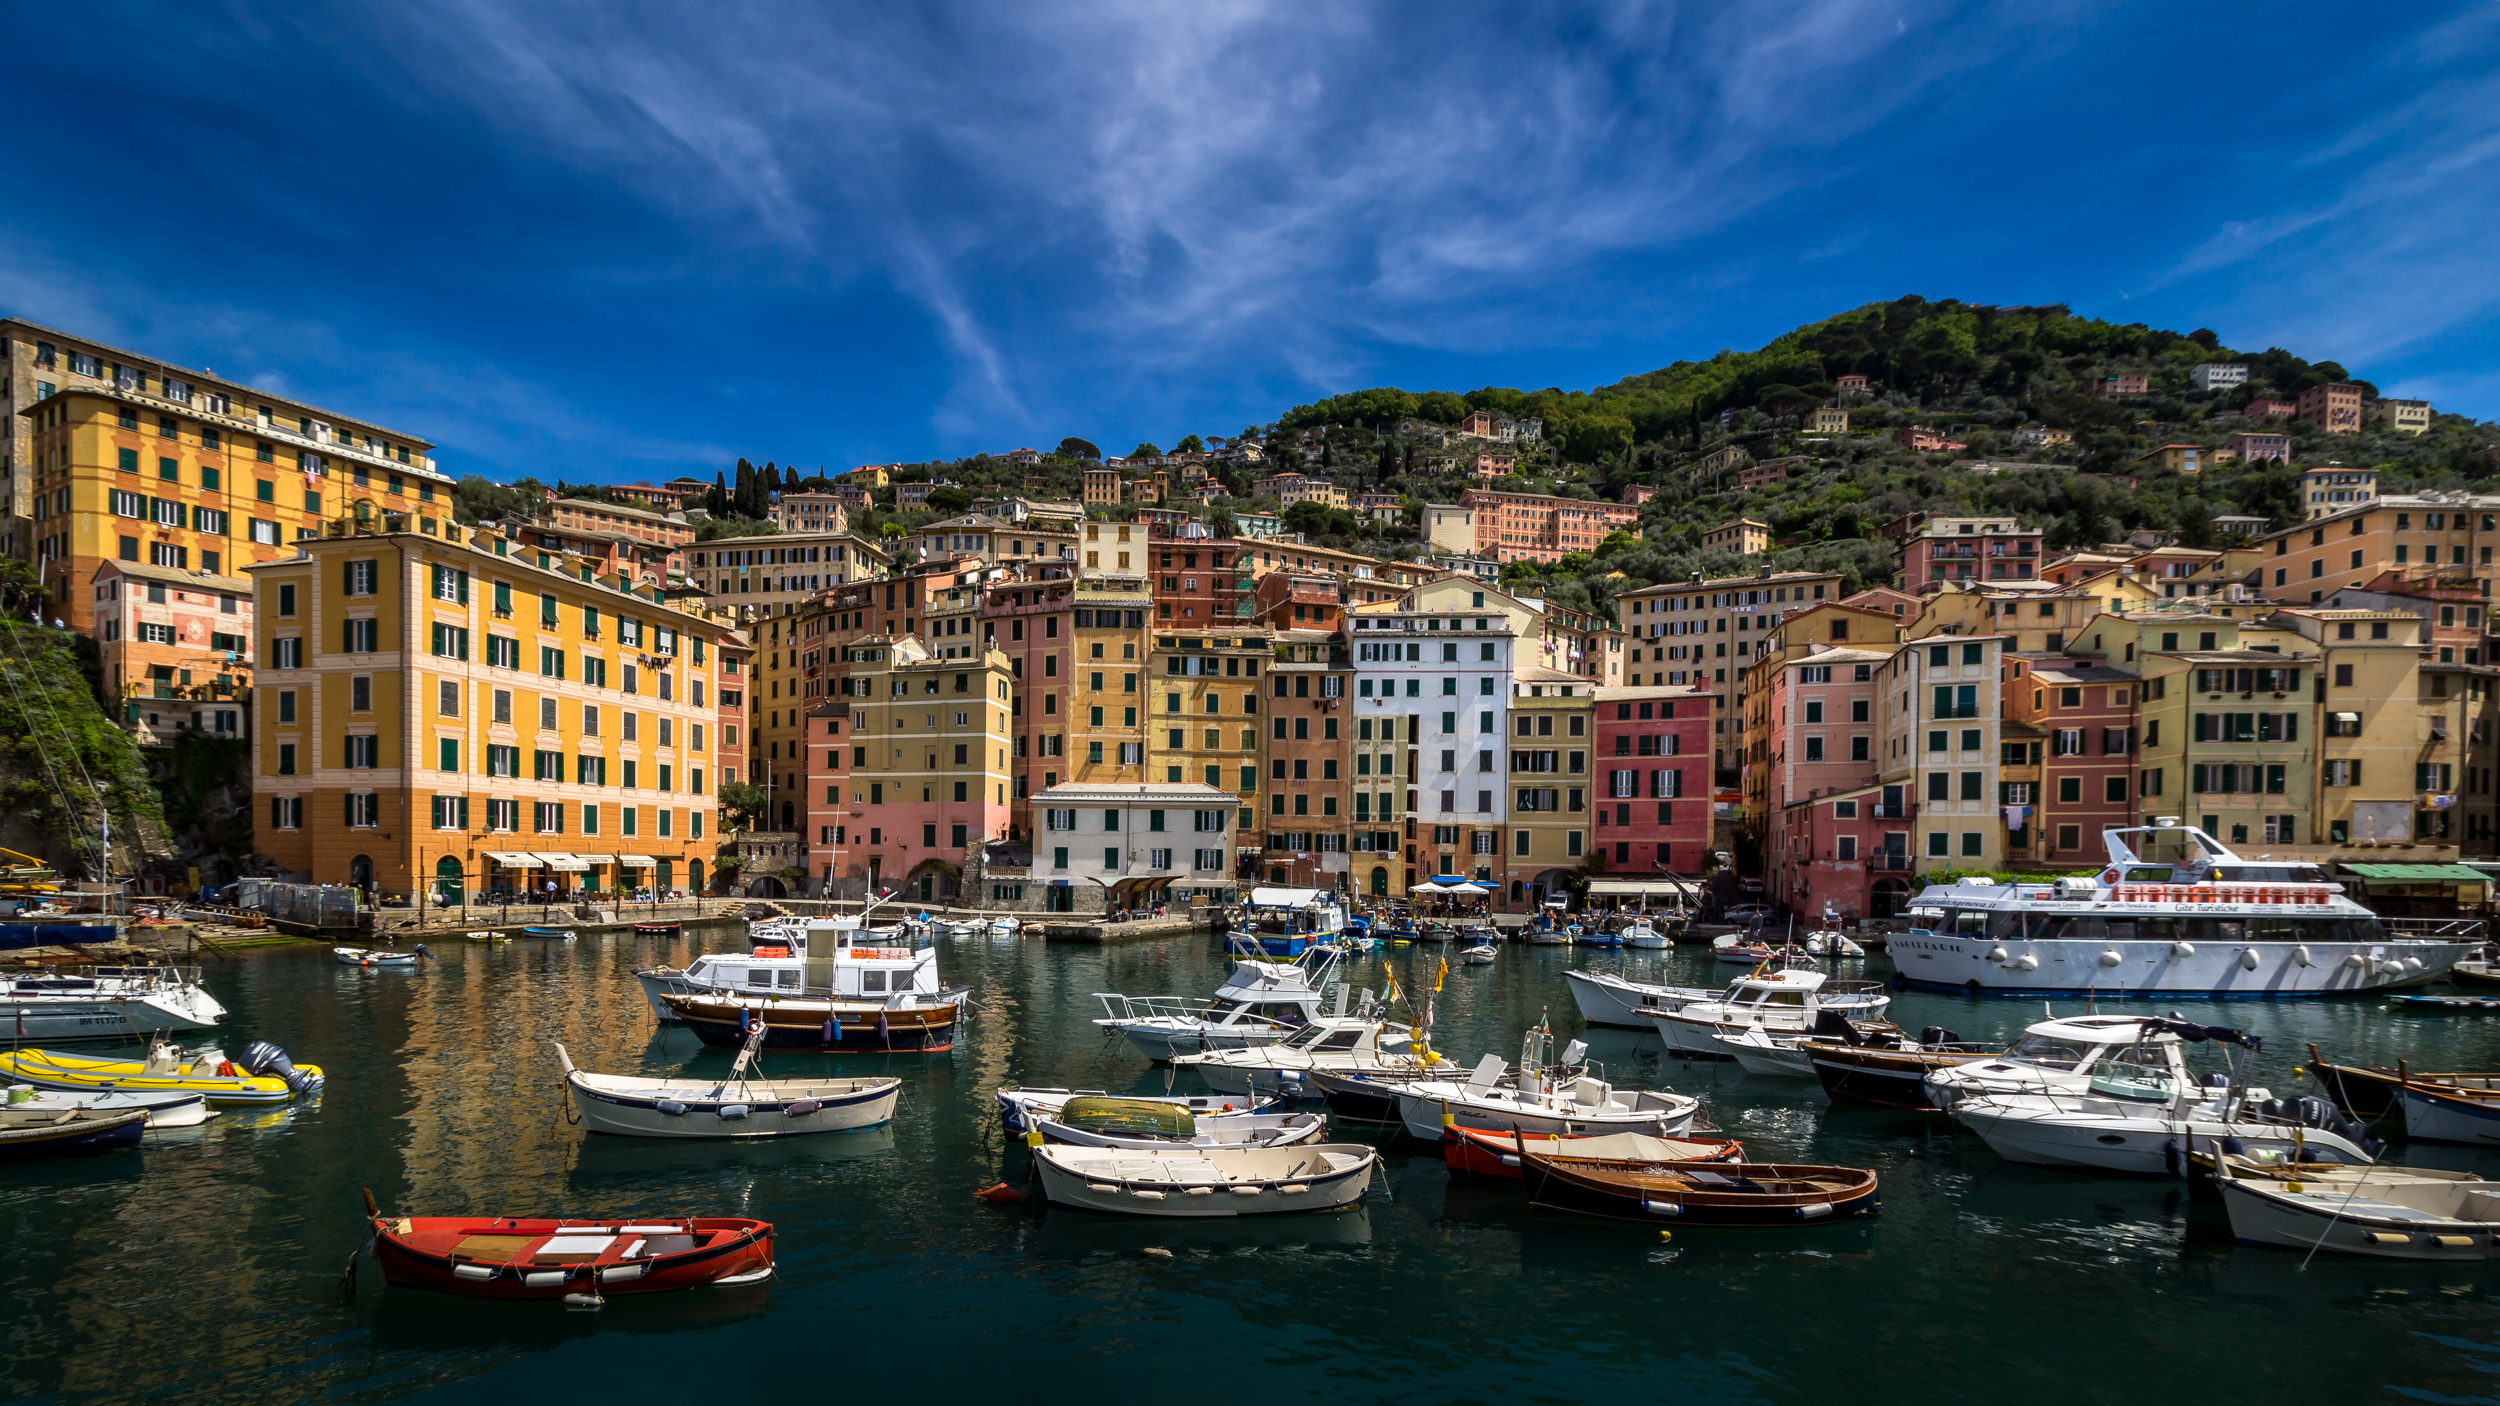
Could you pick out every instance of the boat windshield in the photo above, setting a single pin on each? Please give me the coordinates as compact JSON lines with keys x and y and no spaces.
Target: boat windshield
{"x":2048,"y":1053}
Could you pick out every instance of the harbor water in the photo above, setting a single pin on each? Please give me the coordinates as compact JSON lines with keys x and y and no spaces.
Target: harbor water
{"x":207,"y":1266}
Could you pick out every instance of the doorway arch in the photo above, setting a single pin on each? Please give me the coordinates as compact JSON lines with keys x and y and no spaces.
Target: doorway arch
{"x":447,"y":881}
{"x":1889,"y":898}
{"x":360,"y":872}
{"x":766,"y":886}
{"x":1380,"y":882}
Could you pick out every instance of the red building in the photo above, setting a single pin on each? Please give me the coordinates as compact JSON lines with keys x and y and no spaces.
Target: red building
{"x":1843,"y":855}
{"x":1653,"y":772}
{"x":1194,"y":581}
{"x":1969,"y":549}
{"x":2085,"y":714}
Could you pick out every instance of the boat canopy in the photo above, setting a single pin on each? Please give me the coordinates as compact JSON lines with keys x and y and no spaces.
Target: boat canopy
{"x":1135,"y":1117}
{"x":1283,"y":898}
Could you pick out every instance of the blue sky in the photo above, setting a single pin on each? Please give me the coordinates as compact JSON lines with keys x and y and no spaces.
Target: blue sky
{"x":610,"y":241}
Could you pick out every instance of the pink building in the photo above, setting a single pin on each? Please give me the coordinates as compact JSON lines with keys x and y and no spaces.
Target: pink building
{"x":2085,"y":715}
{"x":1841,"y":856}
{"x":1969,"y":549}
{"x":1653,"y":769}
{"x":2253,"y":447}
{"x":1817,"y":739}
{"x":1925,"y":439}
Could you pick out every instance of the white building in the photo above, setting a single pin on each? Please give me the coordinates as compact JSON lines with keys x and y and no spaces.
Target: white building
{"x":1439,"y":681}
{"x":2217,"y":375}
{"x":1133,"y":840}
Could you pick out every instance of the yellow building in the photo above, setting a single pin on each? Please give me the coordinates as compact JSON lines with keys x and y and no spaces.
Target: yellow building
{"x":432,"y":716}
{"x":1205,"y":712}
{"x":1114,"y":547}
{"x":1744,"y":536}
{"x":1106,"y":737}
{"x":928,"y":778}
{"x":1549,"y":772}
{"x":137,"y":463}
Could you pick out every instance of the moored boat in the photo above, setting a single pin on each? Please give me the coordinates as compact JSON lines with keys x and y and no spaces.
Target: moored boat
{"x":2448,"y":1005}
{"x":1483,"y":954}
{"x":823,"y":959}
{"x":2368,"y":1092}
{"x":2450,"y":1113}
{"x":105,"y":1002}
{"x":2398,"y":1213}
{"x":1286,"y":922}
{"x":1104,"y":1120}
{"x":815,"y":1023}
{"x":499,"y":1257}
{"x":733,"y":1107}
{"x":163,"y":1110}
{"x":1196,"y":1183}
{"x":28,"y":1134}
{"x":1761,"y":1195}
{"x":263,"y":1075}
{"x":659,"y":929}
{"x":1491,"y":1154}
{"x":552,"y":933}
{"x":1776,"y":1002}
{"x":371,"y":957}
{"x":1541,"y":1097}
{"x":1259,"y":1003}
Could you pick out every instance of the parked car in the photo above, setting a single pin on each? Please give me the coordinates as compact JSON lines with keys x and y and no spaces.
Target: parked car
{"x":1747,"y":913}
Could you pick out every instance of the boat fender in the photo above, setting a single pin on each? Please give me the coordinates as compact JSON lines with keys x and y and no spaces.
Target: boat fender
{"x":585,"y":1302}
{"x":2172,"y":1161}
{"x":2355,"y":960}
{"x":2026,"y":963}
{"x":1662,"y":1208}
{"x":2413,"y":964}
{"x":671,"y":1107}
{"x":734,"y":1111}
{"x":545,"y":1278}
{"x":2248,"y":959}
{"x":2110,"y":957}
{"x":1997,"y":954}
{"x":2233,"y":1147}
{"x":1000,"y":1195}
{"x":1816,"y":1212}
{"x":472,"y":1271}
{"x":2391,"y":968}
{"x":801,"y":1108}
{"x":2300,"y":954}
{"x":2183,"y":949}
{"x":616,"y":1273}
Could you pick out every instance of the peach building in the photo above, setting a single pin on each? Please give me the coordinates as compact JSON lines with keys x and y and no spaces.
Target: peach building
{"x":176,"y":646}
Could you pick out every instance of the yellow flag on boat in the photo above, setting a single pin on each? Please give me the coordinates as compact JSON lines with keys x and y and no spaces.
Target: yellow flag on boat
{"x":1441,"y":975}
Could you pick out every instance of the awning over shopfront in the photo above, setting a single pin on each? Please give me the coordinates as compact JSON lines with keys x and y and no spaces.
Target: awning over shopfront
{"x":637,"y":861}
{"x":2394,"y":874}
{"x":1638,"y":888}
{"x":596,"y":858}
{"x":565,"y":863}
{"x":515,"y":860}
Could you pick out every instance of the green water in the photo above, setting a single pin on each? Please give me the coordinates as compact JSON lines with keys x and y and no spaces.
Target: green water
{"x":206,"y":1266}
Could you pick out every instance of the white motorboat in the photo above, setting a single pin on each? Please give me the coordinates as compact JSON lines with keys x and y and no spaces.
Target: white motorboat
{"x":1482,"y":954}
{"x":822,"y":958}
{"x":2057,"y":1056}
{"x":1205,"y":1183}
{"x":2174,"y":912}
{"x":1781,"y":1002}
{"x":1005,"y":927}
{"x":370,"y":957}
{"x":1112,"y":1120}
{"x":1339,"y":1046}
{"x":164,"y":1110}
{"x":1758,"y":1051}
{"x":1567,"y":1099}
{"x":1607,"y":999}
{"x":2392,"y":1213}
{"x":105,"y":1003}
{"x":735,"y":1106}
{"x":2137,"y":1115}
{"x":1012,"y":1103}
{"x":1641,"y":934}
{"x":1260,"y":1003}
{"x":1286,"y":922}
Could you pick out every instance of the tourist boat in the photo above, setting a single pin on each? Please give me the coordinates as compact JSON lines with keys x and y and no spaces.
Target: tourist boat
{"x":105,"y":1003}
{"x":1482,"y":954}
{"x":1259,"y":1003}
{"x":2137,"y":1115}
{"x":905,"y":1026}
{"x":2447,"y":1005}
{"x":1641,"y":933}
{"x":1335,"y":1044}
{"x":497,"y":1257}
{"x":821,"y":958}
{"x":659,"y":929}
{"x":2057,"y":1055}
{"x":1486,"y":1154}
{"x":554,"y":934}
{"x":370,"y":957}
{"x":2392,"y":1213}
{"x":1691,"y":1193}
{"x":1779,"y":1002}
{"x":2368,"y":1092}
{"x":1108,"y":1120}
{"x":1285,"y":922}
{"x":263,"y":1075}
{"x":27,"y":1134}
{"x":2174,"y":912}
{"x":732,"y":1107}
{"x":166,"y":1110}
{"x":1569,"y":1097}
{"x":1205,"y":1183}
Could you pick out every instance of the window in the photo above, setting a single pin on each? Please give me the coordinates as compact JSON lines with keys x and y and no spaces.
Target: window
{"x":364,"y":752}
{"x":364,"y":809}
{"x":361,"y":636}
{"x":361,"y":577}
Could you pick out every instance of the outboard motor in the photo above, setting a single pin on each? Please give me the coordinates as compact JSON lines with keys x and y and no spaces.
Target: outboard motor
{"x":265,"y":1060}
{"x":1936,"y":1035}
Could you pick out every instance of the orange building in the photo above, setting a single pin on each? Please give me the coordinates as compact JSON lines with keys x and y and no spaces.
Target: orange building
{"x":176,"y":646}
{"x":1538,"y":527}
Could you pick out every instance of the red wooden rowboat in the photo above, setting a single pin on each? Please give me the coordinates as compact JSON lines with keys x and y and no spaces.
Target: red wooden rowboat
{"x":1490,"y":1154}
{"x":498,"y":1257}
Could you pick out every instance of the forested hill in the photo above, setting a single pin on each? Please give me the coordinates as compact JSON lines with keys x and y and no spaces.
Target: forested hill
{"x":1979,"y":375}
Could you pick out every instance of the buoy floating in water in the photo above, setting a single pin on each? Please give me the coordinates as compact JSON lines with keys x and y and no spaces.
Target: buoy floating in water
{"x":1000,"y":1195}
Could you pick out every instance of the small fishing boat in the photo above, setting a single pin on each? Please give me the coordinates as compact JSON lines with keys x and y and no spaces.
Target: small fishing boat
{"x":1480,"y":955}
{"x":2448,"y":1005}
{"x":1544,"y":937}
{"x":1759,"y":1052}
{"x":263,"y":1075}
{"x":816,"y":1023}
{"x":2475,"y":971}
{"x":1013,"y":1103}
{"x":669,"y":930}
{"x":1205,"y":1182}
{"x":170,"y":1110}
{"x":736,"y":1106}
{"x":1739,"y":952}
{"x":2449,"y":1113}
{"x":1488,"y":1154}
{"x":2392,"y":1213}
{"x":1103,"y":1120}
{"x":1692,"y":1193}
{"x":552,"y":934}
{"x":2368,"y":1092}
{"x":1641,"y":933}
{"x":27,"y":1134}
{"x":487,"y":935}
{"x":1368,"y":1096}
{"x":370,"y":957}
{"x":822,"y":958}
{"x":1004,"y":927}
{"x":1596,"y":937}
{"x":580,"y":1261}
{"x":1543,"y":1097}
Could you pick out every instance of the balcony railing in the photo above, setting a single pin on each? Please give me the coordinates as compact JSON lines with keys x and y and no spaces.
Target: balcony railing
{"x":1971,"y":711}
{"x":1894,"y":810}
{"x":1889,"y":864}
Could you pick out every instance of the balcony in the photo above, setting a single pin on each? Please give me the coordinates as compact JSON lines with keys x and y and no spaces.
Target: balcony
{"x":1889,"y":864}
{"x":1970,"y":711}
{"x":1897,"y":810}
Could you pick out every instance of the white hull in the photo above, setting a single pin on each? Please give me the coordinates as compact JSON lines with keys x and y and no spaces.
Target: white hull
{"x":1221,"y":1130}
{"x":1422,"y":1115}
{"x":752,"y":1112}
{"x":163,"y":1110}
{"x":2160,"y":969}
{"x":2130,"y":1141}
{"x":2430,"y":1119}
{"x":1161,"y":1040}
{"x":1757,"y":1054}
{"x":2331,"y":1220}
{"x":1651,"y":943}
{"x":1197,"y":1186}
{"x":31,"y":1019}
{"x":1611,"y":1000}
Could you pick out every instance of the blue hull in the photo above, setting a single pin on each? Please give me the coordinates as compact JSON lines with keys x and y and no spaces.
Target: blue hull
{"x":75,"y":1143}
{"x":1272,"y":945}
{"x":13,"y":935}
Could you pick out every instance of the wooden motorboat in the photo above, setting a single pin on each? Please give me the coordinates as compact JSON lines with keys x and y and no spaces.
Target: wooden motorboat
{"x":165,"y":1110}
{"x":1691,"y":1193}
{"x":1102,"y":1120}
{"x":2475,"y":971}
{"x":553,"y":934}
{"x":2449,"y":1113}
{"x":2454,"y":1005}
{"x":263,"y":1075}
{"x":496,"y":1257}
{"x":817,"y":1023}
{"x":2368,"y":1091}
{"x":373,"y":957}
{"x":2396,"y":1213}
{"x":30,"y":1133}
{"x":659,"y":929}
{"x":1890,"y":1076}
{"x":1486,"y":1154}
{"x":731,"y":1107}
{"x":1205,"y":1183}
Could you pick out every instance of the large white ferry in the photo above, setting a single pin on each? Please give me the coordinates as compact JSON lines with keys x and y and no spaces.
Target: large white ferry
{"x":2173,"y":913}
